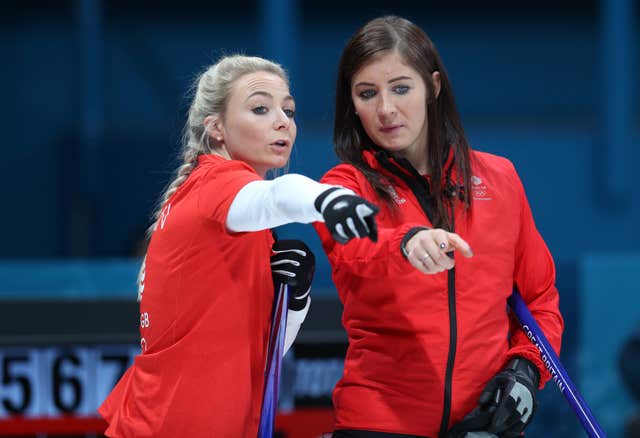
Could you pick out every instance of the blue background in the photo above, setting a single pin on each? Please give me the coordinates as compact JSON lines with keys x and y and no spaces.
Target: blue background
{"x":95,"y":98}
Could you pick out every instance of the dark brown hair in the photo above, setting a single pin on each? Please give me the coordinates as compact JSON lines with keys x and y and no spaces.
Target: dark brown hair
{"x":376,"y":38}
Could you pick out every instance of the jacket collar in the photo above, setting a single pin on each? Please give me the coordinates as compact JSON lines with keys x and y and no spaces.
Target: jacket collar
{"x":374,"y":156}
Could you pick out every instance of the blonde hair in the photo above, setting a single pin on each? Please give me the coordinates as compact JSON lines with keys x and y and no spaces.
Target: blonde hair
{"x":211,"y":91}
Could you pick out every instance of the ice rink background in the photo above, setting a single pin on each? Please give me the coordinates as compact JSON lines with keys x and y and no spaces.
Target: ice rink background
{"x":94,"y":102}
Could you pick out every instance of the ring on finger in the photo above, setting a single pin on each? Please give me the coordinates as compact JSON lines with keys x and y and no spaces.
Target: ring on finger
{"x":425,"y":257}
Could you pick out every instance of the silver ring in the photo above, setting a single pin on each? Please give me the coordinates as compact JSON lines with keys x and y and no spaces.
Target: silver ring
{"x":443,"y":245}
{"x":425,"y":258}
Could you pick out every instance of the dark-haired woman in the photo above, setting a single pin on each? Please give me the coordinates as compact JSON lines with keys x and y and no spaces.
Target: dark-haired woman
{"x":432,"y":351}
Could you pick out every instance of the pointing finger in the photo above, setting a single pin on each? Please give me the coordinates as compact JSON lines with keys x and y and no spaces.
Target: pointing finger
{"x":458,"y":243}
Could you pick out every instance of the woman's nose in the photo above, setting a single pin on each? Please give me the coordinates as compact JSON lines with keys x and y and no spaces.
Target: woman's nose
{"x":385,"y":106}
{"x":282,"y":121}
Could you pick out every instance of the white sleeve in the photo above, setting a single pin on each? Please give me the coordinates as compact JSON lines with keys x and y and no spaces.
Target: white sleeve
{"x":295,"y":318}
{"x":266,"y":204}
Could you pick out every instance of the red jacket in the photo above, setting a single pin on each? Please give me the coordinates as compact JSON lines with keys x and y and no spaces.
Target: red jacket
{"x":402,"y":330}
{"x":204,"y":318}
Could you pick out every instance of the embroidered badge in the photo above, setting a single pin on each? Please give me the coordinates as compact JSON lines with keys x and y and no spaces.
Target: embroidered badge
{"x":397,"y":199}
{"x":479,"y":189}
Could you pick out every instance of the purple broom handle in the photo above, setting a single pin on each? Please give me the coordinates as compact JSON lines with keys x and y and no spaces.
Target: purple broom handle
{"x":553,"y":364}
{"x":274,"y":362}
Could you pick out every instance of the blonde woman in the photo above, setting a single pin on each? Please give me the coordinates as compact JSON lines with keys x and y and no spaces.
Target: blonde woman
{"x":206,"y":287}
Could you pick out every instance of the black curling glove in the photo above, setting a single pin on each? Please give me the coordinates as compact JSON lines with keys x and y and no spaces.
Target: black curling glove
{"x":507,"y":403}
{"x":293,"y":263}
{"x":347,"y":215}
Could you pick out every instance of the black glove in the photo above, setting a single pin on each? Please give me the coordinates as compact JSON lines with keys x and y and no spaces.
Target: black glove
{"x":506,"y":405}
{"x":347,"y":215}
{"x":476,"y":422}
{"x":293,"y":263}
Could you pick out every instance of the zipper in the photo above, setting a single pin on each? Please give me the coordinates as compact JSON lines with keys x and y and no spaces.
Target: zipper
{"x":453,"y":340}
{"x":420,"y":188}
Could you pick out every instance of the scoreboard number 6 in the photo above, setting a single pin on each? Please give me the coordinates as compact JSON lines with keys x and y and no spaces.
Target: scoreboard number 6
{"x":71,"y":383}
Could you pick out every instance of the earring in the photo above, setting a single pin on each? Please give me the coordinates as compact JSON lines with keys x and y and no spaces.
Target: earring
{"x":356,"y":113}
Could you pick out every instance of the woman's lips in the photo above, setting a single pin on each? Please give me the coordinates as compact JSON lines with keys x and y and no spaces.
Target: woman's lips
{"x":390,"y":128}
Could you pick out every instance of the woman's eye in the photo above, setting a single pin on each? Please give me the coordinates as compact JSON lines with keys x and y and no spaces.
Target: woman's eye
{"x":290,"y":113}
{"x":260,"y":110}
{"x":367,"y":94}
{"x":401,"y":89}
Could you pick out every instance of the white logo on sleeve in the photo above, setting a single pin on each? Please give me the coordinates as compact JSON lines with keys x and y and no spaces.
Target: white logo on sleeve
{"x":143,"y":273}
{"x":164,"y":215}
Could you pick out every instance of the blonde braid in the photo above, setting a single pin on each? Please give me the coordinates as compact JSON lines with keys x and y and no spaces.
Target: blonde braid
{"x":190,"y":162}
{"x":183,"y":172}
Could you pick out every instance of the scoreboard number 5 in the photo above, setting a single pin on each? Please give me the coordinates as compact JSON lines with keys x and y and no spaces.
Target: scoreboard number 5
{"x":49,"y":382}
{"x":12,"y":375}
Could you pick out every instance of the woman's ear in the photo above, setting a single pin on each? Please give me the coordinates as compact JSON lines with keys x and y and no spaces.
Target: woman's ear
{"x":213,"y":126}
{"x":435,"y":77}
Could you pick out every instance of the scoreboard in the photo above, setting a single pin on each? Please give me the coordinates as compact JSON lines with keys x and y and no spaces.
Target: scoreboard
{"x":55,"y":381}
{"x":56,"y":370}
